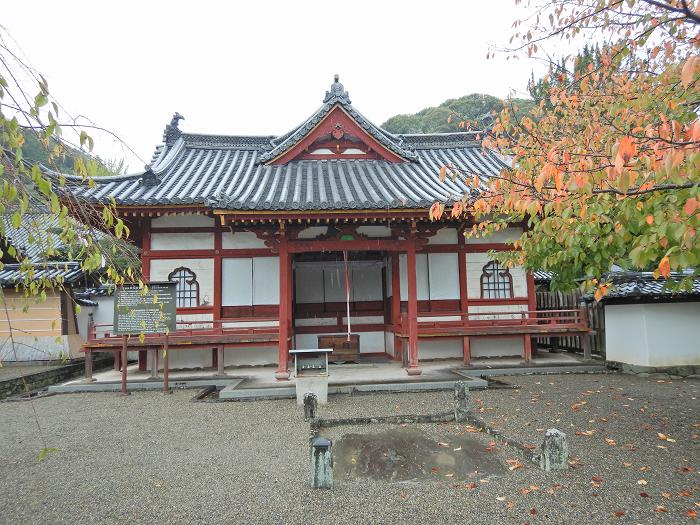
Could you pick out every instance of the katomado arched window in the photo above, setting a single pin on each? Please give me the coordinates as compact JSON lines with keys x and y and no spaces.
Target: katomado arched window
{"x":496,"y":282}
{"x":186,"y":286}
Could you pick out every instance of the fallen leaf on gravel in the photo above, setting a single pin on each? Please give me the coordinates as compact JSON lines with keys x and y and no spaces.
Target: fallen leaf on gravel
{"x":449,"y":475}
{"x":626,"y":464}
{"x":577,"y":406}
{"x":618,"y":513}
{"x":685,"y":493}
{"x":670,"y":440}
{"x":501,"y":498}
{"x":662,"y":437}
{"x":575,"y":462}
{"x":644,"y":494}
{"x":691,"y":513}
{"x":585,"y":432}
{"x":444,"y":445}
{"x":610,"y":442}
{"x":641,"y":482}
{"x":686,"y":469}
{"x":403,"y":495}
{"x":660,"y":508}
{"x":530,"y":447}
{"x":456,"y":449}
{"x":434,"y":470}
{"x":514,"y":464}
{"x":533,"y":511}
{"x":471,"y":485}
{"x":667,"y":495}
{"x":661,"y":446}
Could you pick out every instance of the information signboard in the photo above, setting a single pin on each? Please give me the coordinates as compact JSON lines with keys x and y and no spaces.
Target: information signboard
{"x":136,"y":312}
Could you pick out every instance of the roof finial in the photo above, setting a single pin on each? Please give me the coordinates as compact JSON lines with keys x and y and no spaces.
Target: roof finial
{"x":337,"y":91}
{"x":172,"y":131}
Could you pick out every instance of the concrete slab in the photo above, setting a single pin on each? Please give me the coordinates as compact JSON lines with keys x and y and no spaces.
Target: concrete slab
{"x":250,"y":394}
{"x":113,"y":386}
{"x":531,"y":370}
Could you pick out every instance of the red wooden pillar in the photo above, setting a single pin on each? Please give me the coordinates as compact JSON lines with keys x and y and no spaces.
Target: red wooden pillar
{"x":396,"y":303}
{"x":413,"y":368}
{"x":217,"y":294}
{"x":466,"y":350}
{"x":284,"y":309}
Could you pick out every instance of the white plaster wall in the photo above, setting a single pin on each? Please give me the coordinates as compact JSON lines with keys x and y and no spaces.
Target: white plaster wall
{"x":496,"y":347}
{"x":103,"y":313}
{"x":312,"y":232}
{"x":182,"y":241}
{"x":439,"y":348}
{"x":504,"y":235}
{"x":444,"y":236}
{"x":240,"y":241}
{"x":250,"y":280}
{"x":308,"y":281}
{"x":422,"y":278}
{"x":266,"y":280}
{"x":182,"y":221}
{"x":237,"y":281}
{"x":375,"y":231}
{"x":367,"y":283}
{"x":203,"y":268}
{"x":475,"y":266}
{"x":369,"y":341}
{"x":443,"y":272}
{"x":389,"y":342}
{"x":251,"y":356}
{"x":313,"y":280}
{"x":656,"y":334}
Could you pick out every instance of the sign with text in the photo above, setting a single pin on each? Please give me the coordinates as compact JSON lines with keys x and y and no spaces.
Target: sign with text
{"x":153,"y":312}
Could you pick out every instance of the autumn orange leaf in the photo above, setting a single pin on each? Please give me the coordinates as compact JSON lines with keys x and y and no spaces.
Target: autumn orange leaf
{"x":665,"y":270}
{"x":650,"y":220}
{"x":688,"y":70}
{"x":690,"y":206}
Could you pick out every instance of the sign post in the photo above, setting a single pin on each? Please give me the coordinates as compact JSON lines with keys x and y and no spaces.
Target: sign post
{"x":151,"y":310}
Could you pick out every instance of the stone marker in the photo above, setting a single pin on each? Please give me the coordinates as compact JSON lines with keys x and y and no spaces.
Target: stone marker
{"x":321,"y":463}
{"x":554,"y":453}
{"x":310,"y":406}
{"x":462,"y":401}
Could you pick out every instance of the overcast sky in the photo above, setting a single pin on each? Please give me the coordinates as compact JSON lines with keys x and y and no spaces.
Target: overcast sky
{"x":258,"y":67}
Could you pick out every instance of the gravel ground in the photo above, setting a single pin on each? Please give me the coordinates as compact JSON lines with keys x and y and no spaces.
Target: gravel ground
{"x":150,"y":458}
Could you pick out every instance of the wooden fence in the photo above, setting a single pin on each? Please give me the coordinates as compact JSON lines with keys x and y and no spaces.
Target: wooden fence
{"x":548,"y":300}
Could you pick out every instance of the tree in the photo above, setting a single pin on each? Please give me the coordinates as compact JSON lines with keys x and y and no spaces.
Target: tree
{"x":31,"y":120}
{"x":605,"y":168}
{"x":477,"y":108}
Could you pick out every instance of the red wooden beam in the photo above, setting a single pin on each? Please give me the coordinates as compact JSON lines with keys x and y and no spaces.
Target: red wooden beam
{"x":355,"y":245}
{"x":396,"y":302}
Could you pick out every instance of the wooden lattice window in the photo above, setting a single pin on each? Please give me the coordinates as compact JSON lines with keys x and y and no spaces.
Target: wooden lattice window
{"x":186,"y":286}
{"x":496,"y":282}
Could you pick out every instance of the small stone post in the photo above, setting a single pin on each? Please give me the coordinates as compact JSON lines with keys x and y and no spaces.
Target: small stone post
{"x":310,"y":406}
{"x":321,"y":463}
{"x":554,"y":453}
{"x":462,"y":401}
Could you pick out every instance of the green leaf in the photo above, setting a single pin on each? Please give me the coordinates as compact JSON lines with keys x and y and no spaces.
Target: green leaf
{"x":16,"y":219}
{"x":44,"y":452}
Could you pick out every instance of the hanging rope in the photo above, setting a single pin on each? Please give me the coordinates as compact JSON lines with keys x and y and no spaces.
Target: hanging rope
{"x":347,"y":289}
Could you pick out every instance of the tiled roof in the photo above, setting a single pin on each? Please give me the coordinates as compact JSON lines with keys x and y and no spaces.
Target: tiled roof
{"x":643,"y":284}
{"x":229,"y":172}
{"x":228,"y":175}
{"x":69,"y":272}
